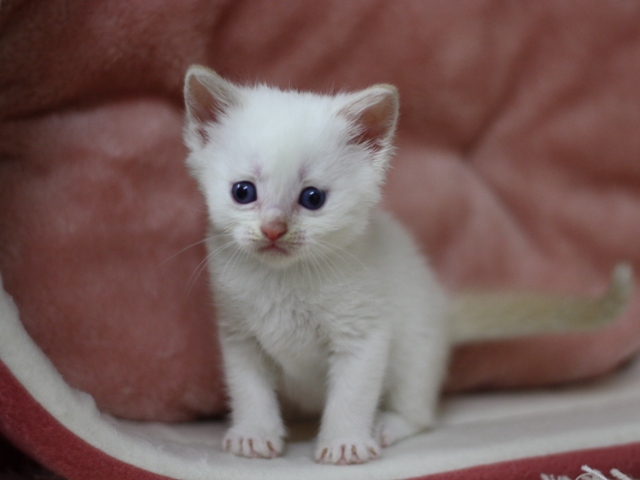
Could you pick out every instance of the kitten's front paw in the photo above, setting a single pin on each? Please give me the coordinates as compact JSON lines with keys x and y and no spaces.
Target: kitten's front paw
{"x":347,"y":451}
{"x":252,"y":444}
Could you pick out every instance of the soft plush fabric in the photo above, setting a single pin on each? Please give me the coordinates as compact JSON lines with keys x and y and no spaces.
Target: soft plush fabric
{"x":502,"y":435}
{"x":517,"y":168}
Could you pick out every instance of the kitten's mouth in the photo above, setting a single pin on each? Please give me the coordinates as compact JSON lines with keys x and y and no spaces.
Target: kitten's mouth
{"x":274,"y":248}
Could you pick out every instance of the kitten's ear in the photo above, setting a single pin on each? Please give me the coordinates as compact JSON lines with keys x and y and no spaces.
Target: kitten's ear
{"x":206,"y":96}
{"x":374,"y":113}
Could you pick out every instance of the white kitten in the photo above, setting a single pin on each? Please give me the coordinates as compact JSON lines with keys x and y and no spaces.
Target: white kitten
{"x":323,"y":300}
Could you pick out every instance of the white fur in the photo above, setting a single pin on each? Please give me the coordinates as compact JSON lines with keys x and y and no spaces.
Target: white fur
{"x":349,"y":322}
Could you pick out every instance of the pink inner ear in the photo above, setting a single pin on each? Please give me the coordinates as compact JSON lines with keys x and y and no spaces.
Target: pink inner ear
{"x":376,"y":126}
{"x":203,"y":106}
{"x":377,"y":120}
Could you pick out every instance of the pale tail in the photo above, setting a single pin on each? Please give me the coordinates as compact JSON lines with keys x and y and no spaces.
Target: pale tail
{"x":486,"y":316}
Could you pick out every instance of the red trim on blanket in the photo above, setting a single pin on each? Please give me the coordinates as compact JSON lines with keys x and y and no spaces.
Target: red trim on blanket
{"x":625,"y":458}
{"x":36,"y":432}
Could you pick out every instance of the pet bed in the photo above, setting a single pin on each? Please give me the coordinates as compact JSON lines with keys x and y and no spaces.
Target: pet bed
{"x":521,"y":435}
{"x":516,"y":169}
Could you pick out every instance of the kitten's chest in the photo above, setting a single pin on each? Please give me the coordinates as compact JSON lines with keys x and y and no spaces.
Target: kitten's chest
{"x":289,"y":323}
{"x":292,"y":332}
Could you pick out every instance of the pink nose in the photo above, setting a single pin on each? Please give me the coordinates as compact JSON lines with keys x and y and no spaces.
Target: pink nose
{"x":273,"y":231}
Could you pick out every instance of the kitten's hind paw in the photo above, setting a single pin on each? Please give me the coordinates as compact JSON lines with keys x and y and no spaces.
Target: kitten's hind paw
{"x":347,"y":451}
{"x":252,"y":444}
{"x":391,"y":427}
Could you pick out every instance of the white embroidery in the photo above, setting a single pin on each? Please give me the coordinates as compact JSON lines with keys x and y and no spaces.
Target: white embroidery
{"x":589,"y":474}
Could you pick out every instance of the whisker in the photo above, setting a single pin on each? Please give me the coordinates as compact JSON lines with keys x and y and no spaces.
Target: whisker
{"x":335,"y":269}
{"x":324,"y":249}
{"x":330,"y":245}
{"x":230,"y":262}
{"x":197,"y":272}
{"x":310,"y":267}
{"x":204,"y":264}
{"x":182,"y":251}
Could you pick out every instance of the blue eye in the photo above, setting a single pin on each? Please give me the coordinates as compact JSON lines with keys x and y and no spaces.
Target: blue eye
{"x":312,"y":198}
{"x":244,"y":192}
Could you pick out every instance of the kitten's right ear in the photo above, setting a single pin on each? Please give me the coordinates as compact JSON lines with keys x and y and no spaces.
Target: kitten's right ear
{"x":206,"y":96}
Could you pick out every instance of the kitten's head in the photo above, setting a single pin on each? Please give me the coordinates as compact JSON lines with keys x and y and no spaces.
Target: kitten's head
{"x":287,"y":175}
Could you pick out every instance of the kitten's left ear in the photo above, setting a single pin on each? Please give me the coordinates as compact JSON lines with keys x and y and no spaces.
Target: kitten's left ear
{"x":206,"y":96}
{"x":374,"y":114}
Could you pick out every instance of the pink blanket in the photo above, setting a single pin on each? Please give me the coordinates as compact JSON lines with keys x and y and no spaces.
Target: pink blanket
{"x":518,"y":167}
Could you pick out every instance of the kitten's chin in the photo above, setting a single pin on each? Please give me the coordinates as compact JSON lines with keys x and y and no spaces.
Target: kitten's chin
{"x":275,"y":256}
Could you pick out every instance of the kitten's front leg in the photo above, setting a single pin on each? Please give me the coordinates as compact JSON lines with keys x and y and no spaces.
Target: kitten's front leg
{"x":355,"y":385}
{"x":257,"y":430}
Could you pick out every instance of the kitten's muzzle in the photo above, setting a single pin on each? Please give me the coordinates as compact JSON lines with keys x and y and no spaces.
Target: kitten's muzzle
{"x":273,"y":231}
